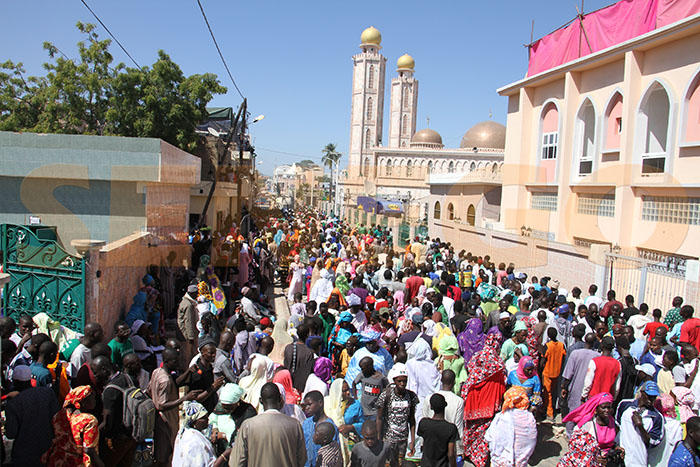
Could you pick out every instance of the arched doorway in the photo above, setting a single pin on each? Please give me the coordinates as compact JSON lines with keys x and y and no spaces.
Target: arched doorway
{"x":471,"y":215}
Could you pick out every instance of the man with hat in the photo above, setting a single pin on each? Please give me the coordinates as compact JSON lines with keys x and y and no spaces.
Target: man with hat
{"x":396,"y":414}
{"x":187,"y":321}
{"x":641,"y":425}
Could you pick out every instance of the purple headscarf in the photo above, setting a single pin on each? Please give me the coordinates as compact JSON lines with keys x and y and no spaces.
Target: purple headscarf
{"x":323,"y":369}
{"x":471,"y":340}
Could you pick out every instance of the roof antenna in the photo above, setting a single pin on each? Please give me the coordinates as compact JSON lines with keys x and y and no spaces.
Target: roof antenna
{"x":490,"y":114}
{"x":428,"y":119}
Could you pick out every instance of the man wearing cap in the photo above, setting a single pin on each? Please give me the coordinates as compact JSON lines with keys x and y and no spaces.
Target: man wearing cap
{"x":641,"y":426}
{"x":396,"y":414}
{"x":187,"y":321}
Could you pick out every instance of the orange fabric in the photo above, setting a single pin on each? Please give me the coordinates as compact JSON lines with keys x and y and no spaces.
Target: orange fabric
{"x":63,"y":384}
{"x":548,"y":391}
{"x":516,"y":398}
{"x":555,"y":354}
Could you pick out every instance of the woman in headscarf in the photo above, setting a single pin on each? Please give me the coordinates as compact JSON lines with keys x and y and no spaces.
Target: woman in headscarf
{"x":347,"y":415}
{"x":244,"y":261}
{"x":253,"y":383}
{"x":315,"y":275}
{"x":341,"y":283}
{"x":471,"y":340}
{"x":595,"y":417}
{"x":342,"y":330}
{"x":512,"y":435}
{"x":290,"y":409}
{"x":424,"y":380}
{"x":532,"y":340}
{"x":320,"y":379}
{"x":673,"y":431}
{"x":137,"y":311}
{"x":192,"y":448}
{"x":75,"y":432}
{"x":296,"y":272}
{"x":323,"y":287}
{"x":222,"y":420}
{"x":583,"y":451}
{"x":685,"y":400}
{"x":448,"y":359}
{"x":482,"y":395}
{"x":526,"y":376}
{"x":383,"y":362}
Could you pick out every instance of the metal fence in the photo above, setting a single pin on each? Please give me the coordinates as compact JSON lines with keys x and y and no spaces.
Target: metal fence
{"x":652,"y":279}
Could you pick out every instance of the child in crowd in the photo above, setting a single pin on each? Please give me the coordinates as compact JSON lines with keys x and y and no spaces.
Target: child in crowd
{"x":553,"y":358}
{"x":671,"y":373}
{"x":297,"y":307}
{"x":372,"y":384}
{"x":372,"y":451}
{"x":329,"y":454}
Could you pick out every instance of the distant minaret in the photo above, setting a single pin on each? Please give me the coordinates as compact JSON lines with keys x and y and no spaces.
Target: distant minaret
{"x":367,"y":115}
{"x":404,"y":102}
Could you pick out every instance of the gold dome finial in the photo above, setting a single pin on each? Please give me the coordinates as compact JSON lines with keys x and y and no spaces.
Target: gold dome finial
{"x":405,"y":62}
{"x":371,"y":35}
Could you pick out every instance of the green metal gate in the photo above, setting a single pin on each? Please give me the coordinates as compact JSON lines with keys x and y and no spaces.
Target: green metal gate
{"x":385,"y":222}
{"x":43,"y":277}
{"x":422,"y":231}
{"x":404,"y":234}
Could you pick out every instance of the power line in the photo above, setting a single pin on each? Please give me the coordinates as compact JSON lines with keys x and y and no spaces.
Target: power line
{"x":219,"y":50}
{"x":112,"y":35}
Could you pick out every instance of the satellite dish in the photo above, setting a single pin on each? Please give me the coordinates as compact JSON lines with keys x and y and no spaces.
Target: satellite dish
{"x":213,"y":132}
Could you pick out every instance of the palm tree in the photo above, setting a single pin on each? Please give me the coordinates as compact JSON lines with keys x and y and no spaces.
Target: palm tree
{"x":331,"y":156}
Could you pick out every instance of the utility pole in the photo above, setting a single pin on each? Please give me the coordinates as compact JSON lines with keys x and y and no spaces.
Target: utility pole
{"x":241,"y":137}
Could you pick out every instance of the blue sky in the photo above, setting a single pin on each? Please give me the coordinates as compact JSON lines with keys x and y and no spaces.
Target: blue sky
{"x":292,"y":60}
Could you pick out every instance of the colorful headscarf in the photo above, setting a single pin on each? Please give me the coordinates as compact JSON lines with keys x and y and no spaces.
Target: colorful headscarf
{"x":532,"y":340}
{"x":203,"y":289}
{"x":471,"y":340}
{"x":341,"y":298}
{"x":516,"y":398}
{"x":76,"y":396}
{"x":218,"y":297}
{"x":524,"y":362}
{"x":230,"y":393}
{"x":284,"y":379}
{"x":369,"y":335}
{"x":586,"y":411}
{"x":323,"y":368}
{"x":519,"y":326}
{"x":192,"y":412}
{"x":685,"y":400}
{"x":341,"y":283}
{"x":485,"y":363}
{"x":448,"y":346}
{"x":345,"y":317}
{"x":666,"y":405}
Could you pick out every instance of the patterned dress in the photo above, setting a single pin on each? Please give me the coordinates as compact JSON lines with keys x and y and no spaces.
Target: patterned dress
{"x":73,"y":432}
{"x":583,"y":450}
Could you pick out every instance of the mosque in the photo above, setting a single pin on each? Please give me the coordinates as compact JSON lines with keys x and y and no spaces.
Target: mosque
{"x":396,"y":178}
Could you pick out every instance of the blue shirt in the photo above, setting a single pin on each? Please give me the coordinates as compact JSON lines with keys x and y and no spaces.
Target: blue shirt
{"x":682,"y":457}
{"x":637,"y":349}
{"x":309,"y":426}
{"x":41,"y":376}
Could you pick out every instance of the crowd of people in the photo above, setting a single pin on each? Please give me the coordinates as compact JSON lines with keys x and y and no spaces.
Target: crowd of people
{"x":384,"y":356}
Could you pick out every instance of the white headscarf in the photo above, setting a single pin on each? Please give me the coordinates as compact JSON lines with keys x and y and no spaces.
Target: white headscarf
{"x":253,"y":383}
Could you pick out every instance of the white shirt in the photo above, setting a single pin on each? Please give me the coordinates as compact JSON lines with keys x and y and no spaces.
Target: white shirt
{"x":314,"y":383}
{"x":449,"y":305}
{"x":631,"y":441}
{"x":593,"y":299}
{"x":638,"y":323}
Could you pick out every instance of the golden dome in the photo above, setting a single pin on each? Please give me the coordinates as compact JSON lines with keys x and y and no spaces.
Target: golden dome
{"x":371,"y":35}
{"x":427,"y":137}
{"x":488,"y":134}
{"x":405,"y":61}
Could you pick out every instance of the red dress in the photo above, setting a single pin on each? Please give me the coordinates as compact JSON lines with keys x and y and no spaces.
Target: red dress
{"x":72,"y":433}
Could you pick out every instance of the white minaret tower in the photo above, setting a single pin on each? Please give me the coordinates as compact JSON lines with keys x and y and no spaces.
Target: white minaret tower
{"x":403,"y":105}
{"x":367,"y":114}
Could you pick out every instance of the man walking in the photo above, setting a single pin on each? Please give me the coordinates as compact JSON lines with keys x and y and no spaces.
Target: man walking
{"x":270,"y":438}
{"x":187,"y":321}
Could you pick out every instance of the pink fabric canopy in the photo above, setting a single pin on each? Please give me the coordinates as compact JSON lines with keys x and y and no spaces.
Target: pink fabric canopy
{"x":606,"y":27}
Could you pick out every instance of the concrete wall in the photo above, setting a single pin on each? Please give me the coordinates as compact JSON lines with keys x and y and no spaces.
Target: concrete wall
{"x":120,"y":266}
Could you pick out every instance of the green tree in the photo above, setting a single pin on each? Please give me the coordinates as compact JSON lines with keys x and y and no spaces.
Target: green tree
{"x":331,"y":157}
{"x":90,"y":95}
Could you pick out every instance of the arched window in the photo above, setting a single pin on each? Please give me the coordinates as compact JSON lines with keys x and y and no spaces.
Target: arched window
{"x":436,"y":210}
{"x":430,"y":167}
{"x":585,"y":138}
{"x":406,"y":97}
{"x":451,"y":167}
{"x":370,"y":108}
{"x":388,"y":168}
{"x":366,"y":169}
{"x":370,"y":78}
{"x":471,"y":215}
{"x":368,"y":138}
{"x":472,"y":166}
{"x":654,"y":122}
{"x":613,"y":122}
{"x":450,"y":211}
{"x":692,"y":112}
{"x":550,"y":132}
{"x":409,"y":169}
{"x":404,"y":125}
